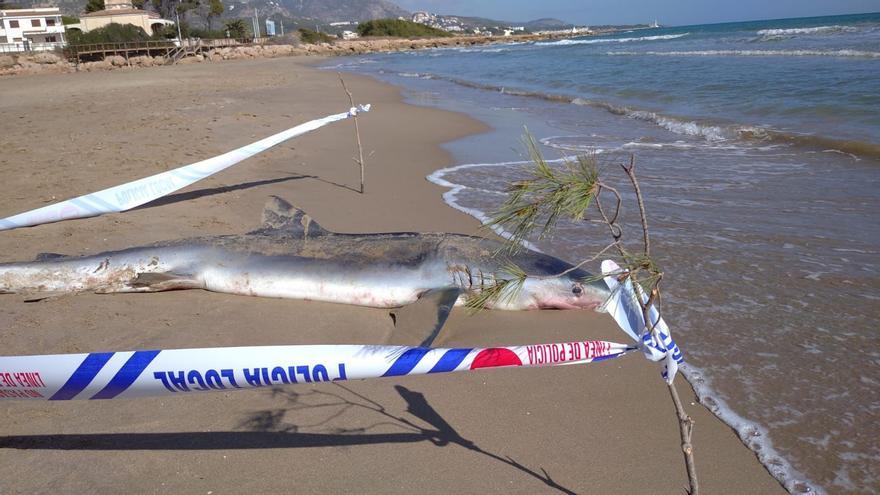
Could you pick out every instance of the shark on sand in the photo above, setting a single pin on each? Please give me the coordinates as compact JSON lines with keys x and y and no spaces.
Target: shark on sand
{"x":291,"y":256}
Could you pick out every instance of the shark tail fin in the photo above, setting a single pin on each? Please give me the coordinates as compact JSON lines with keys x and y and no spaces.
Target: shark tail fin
{"x":282,"y":217}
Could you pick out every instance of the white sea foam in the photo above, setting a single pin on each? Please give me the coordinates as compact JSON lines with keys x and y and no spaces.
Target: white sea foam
{"x":551,"y":142}
{"x":593,"y":41}
{"x":451,"y":196}
{"x":809,"y":30}
{"x":687,"y":128}
{"x":755,"y":53}
{"x":751,"y":434}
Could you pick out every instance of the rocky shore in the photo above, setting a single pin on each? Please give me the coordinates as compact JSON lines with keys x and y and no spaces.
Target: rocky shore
{"x":54,"y":62}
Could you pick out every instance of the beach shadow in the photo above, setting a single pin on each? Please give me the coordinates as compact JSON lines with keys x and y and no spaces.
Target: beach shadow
{"x":267,"y":429}
{"x":190,"y":195}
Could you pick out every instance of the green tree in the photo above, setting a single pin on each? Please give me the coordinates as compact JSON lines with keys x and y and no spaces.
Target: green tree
{"x":111,"y":33}
{"x":215,"y":10}
{"x":312,"y":37}
{"x":236,"y":28}
{"x":165,"y":8}
{"x":399,"y":28}
{"x":94,"y":5}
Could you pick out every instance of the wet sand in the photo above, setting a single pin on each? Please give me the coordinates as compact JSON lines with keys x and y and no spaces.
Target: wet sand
{"x":604,"y":428}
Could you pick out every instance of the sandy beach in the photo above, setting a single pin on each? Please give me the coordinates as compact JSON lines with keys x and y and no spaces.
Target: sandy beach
{"x":603,"y":428}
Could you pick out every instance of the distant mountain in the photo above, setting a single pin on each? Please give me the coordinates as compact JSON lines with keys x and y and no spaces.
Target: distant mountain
{"x":321,"y":10}
{"x":546,"y":23}
{"x":457,"y":23}
{"x":327,"y":10}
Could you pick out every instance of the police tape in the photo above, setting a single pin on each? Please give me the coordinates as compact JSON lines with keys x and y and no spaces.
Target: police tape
{"x":122,"y":375}
{"x":624,"y":307}
{"x":133,"y":194}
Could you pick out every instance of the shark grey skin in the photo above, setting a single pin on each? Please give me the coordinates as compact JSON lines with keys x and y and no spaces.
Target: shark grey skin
{"x":291,"y":256}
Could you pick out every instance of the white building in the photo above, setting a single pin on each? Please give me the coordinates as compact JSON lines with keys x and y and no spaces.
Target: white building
{"x":31,"y":29}
{"x":424,"y":18}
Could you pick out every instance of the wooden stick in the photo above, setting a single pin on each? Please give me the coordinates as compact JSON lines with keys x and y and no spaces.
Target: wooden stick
{"x":357,"y":131}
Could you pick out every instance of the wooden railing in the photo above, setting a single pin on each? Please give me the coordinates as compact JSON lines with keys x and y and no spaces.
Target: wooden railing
{"x":168,"y":48}
{"x":84,"y":48}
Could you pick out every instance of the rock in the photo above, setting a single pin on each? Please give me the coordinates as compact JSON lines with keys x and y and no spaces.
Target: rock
{"x":46,"y":58}
{"x":6,"y":62}
{"x":116,"y":60}
{"x":99,"y":65}
{"x":142,"y":61}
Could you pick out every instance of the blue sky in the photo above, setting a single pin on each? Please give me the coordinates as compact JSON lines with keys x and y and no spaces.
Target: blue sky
{"x":669,"y":12}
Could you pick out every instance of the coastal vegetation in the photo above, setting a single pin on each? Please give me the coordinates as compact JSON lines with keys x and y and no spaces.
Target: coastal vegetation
{"x":94,"y":5}
{"x":397,"y":28}
{"x":111,"y":33}
{"x":312,"y":37}
{"x":236,"y":28}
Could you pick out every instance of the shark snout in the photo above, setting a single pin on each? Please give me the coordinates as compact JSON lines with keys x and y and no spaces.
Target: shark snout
{"x":566,"y":294}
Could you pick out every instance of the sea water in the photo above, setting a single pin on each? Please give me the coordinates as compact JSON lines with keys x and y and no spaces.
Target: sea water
{"x":757,"y":145}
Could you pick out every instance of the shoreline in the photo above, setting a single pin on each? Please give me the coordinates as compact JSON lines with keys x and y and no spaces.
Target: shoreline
{"x":753,"y":434}
{"x":463,"y":425}
{"x":18,"y":64}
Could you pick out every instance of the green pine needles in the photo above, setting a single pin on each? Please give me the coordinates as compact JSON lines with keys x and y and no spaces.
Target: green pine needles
{"x":537,"y":203}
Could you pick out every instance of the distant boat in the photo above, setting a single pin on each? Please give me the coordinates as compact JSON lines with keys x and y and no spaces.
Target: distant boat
{"x":654,"y":24}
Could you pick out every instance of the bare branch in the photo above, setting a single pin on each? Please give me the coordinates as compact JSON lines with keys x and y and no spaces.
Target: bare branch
{"x":357,"y":131}
{"x":630,"y":172}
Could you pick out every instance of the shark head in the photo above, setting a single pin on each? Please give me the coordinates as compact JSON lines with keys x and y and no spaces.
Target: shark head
{"x":551,"y":283}
{"x":569,"y":291}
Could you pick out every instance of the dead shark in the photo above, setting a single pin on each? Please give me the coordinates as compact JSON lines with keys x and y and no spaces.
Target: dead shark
{"x":291,"y":256}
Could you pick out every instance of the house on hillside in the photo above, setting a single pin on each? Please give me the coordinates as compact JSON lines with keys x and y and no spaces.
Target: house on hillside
{"x":121,"y":12}
{"x":33,"y":29}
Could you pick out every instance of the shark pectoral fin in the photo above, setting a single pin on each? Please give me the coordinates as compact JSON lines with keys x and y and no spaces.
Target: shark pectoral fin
{"x":419,"y":323}
{"x":162,"y":281}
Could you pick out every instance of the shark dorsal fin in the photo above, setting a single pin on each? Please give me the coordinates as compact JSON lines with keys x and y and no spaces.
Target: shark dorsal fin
{"x":282,"y":217}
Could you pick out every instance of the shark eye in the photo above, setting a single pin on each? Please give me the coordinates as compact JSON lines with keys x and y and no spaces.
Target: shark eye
{"x":577,"y":290}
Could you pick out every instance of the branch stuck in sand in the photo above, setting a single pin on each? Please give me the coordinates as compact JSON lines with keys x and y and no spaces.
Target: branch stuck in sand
{"x":357,"y":130}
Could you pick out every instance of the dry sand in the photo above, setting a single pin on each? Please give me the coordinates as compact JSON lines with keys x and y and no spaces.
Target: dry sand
{"x":603,"y":428}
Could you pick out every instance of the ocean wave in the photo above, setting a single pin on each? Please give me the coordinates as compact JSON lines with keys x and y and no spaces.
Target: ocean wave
{"x":755,"y":53}
{"x":714,"y":133}
{"x":612,"y":40}
{"x":809,"y":30}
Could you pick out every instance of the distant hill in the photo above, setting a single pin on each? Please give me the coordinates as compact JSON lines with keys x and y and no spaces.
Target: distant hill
{"x":457,"y":23}
{"x":321,"y":10}
{"x":546,"y":23}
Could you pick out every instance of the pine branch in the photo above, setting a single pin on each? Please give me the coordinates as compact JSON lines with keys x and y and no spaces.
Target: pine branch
{"x":551,"y":194}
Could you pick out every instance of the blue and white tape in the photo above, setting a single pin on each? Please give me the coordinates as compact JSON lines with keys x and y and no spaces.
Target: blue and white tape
{"x":121,"y":375}
{"x":133,"y":194}
{"x":625,"y":309}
